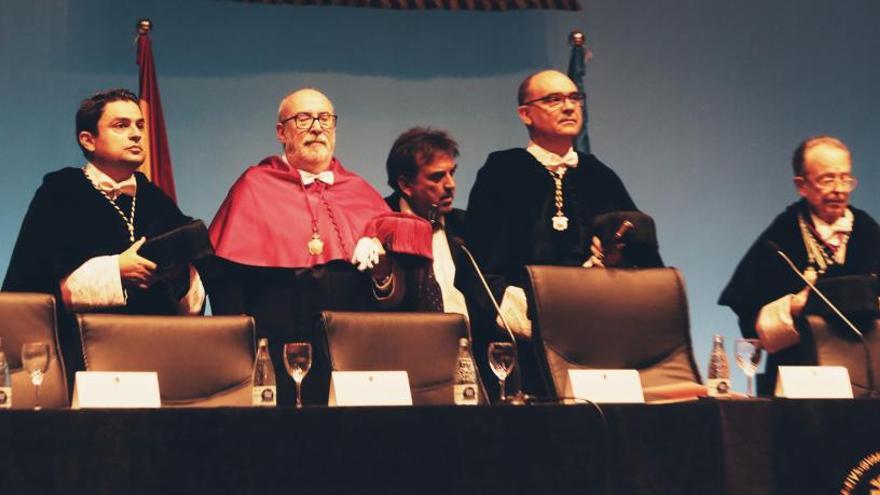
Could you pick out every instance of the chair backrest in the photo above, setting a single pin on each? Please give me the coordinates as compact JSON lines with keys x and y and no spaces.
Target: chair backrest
{"x":202,"y":361}
{"x":611,"y":319}
{"x":31,"y":318}
{"x":425,"y":345}
{"x":835,"y":345}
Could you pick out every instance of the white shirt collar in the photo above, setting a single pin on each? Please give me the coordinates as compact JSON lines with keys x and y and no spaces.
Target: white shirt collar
{"x":550,"y":159}
{"x":307,"y":177}
{"x":105,"y":183}
{"x":830,"y":232}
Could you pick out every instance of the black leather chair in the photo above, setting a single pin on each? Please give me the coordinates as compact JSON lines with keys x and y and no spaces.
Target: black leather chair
{"x":828,"y":342}
{"x":611,"y":319}
{"x":31,"y":318}
{"x":425,"y":345}
{"x":202,"y":361}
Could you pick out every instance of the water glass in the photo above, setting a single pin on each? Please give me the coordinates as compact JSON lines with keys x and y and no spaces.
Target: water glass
{"x":35,"y":359}
{"x":502,"y":358}
{"x":298,"y":361}
{"x":749,"y":353}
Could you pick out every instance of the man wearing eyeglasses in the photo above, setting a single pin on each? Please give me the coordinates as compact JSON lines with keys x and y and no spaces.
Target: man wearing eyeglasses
{"x":823,"y":235}
{"x":286,"y":234}
{"x":536,"y":205}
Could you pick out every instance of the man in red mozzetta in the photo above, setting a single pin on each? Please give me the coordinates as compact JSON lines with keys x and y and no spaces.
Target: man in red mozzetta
{"x":290,"y":232}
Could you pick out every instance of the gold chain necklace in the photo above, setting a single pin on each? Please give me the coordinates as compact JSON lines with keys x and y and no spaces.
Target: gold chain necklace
{"x":129,"y":222}
{"x":315,"y":244}
{"x":559,"y":220}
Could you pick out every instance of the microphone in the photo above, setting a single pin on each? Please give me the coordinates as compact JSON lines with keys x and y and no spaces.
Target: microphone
{"x":869,"y":368}
{"x":459,"y":243}
{"x":519,"y":398}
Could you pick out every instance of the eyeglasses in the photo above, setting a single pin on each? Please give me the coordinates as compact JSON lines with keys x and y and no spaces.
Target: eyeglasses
{"x":827,"y":183}
{"x":305,"y":120}
{"x":555,"y":100}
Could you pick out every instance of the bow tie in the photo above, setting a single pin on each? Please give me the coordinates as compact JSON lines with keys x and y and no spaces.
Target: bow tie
{"x":834,"y":234}
{"x":552,"y":160}
{"x":326,"y":177}
{"x":114,"y":189}
{"x":569,"y":160}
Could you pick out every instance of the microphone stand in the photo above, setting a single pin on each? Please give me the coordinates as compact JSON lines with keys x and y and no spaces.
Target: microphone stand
{"x":872,"y":392}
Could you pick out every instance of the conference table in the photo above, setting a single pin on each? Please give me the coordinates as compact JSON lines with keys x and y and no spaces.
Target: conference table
{"x":707,"y":446}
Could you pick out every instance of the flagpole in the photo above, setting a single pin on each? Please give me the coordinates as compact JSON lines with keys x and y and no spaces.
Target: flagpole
{"x":157,"y":163}
{"x":577,"y":69}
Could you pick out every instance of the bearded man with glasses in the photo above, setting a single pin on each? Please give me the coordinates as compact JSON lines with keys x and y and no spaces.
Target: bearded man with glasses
{"x":287,"y":233}
{"x":536,"y":205}
{"x":824,"y":236}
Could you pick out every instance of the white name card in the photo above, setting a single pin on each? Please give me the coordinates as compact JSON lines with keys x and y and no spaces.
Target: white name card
{"x":116,"y":389}
{"x":605,"y":386}
{"x":370,"y":388}
{"x":813,"y":382}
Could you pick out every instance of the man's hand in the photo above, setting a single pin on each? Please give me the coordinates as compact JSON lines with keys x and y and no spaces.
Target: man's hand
{"x":597,"y":260}
{"x":134,"y":270}
{"x":798,"y":301}
{"x":367,"y":253}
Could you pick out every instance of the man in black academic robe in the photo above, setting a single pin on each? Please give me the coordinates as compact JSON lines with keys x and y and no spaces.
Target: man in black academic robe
{"x":421,"y":169}
{"x":536,"y":206}
{"x":80,"y":237}
{"x":824,"y":237}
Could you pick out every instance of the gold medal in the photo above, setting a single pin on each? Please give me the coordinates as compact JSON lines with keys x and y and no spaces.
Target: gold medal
{"x":560,"y":222}
{"x":316,"y":245}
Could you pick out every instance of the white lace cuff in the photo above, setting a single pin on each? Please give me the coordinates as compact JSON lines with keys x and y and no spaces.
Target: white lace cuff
{"x":775,"y":326}
{"x":95,"y":284}
{"x":514,"y":307}
{"x":192,"y":302}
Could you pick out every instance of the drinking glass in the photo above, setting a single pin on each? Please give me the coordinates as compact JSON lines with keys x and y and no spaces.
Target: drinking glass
{"x":748,"y":356}
{"x":35,"y":359}
{"x":298,"y":361}
{"x":502,"y":357}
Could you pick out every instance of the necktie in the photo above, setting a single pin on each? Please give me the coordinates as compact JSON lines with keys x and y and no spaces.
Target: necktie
{"x":433,"y":295}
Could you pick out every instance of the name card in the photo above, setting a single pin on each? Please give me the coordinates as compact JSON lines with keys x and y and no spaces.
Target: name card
{"x":369,"y":388}
{"x":605,"y":386}
{"x":813,"y":382}
{"x":116,"y":389}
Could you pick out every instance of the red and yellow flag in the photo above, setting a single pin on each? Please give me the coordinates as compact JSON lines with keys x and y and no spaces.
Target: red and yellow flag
{"x":157,"y":166}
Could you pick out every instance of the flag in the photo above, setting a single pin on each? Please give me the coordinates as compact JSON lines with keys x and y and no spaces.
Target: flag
{"x":577,"y":69}
{"x":157,"y":165}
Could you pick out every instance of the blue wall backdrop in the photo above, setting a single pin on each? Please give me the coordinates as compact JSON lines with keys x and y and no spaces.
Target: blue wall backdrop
{"x":696,"y":103}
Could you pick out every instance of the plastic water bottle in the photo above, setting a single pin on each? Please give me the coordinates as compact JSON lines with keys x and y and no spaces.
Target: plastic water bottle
{"x":5,"y":381}
{"x":264,"y":391}
{"x":465,"y":388}
{"x":718,"y":376}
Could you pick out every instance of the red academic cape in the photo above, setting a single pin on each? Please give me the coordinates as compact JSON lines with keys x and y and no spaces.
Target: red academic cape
{"x":265,"y":220}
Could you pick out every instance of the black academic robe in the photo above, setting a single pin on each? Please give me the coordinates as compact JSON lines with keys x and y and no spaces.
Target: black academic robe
{"x":511,"y":206}
{"x":285,"y":303}
{"x":509,"y":224}
{"x":69,"y":222}
{"x":762,"y":276}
